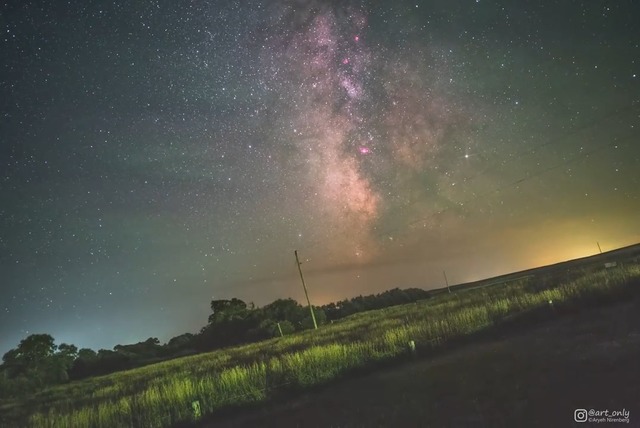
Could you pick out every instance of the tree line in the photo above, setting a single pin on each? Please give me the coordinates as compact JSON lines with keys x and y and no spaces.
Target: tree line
{"x":38,"y":361}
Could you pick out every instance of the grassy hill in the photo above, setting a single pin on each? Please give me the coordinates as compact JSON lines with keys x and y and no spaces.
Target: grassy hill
{"x":529,"y":377}
{"x":194,"y":389}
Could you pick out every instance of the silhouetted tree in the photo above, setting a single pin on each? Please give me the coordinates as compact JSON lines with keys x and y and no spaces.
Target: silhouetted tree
{"x":35,"y":362}
{"x":229,"y":324}
{"x":385,"y":299}
{"x":285,"y":310}
{"x":150,"y":348}
{"x":181,"y":341}
{"x":84,"y":364}
{"x":227,"y":310}
{"x":36,"y":348}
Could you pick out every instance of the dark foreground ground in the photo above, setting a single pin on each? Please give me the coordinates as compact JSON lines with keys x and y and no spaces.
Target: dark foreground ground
{"x":532,"y":377}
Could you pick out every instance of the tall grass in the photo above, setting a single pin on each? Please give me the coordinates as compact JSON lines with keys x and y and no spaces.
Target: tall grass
{"x":182,"y":390}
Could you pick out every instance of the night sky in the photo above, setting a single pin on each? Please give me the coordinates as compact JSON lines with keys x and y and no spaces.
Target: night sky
{"x":156,"y":154}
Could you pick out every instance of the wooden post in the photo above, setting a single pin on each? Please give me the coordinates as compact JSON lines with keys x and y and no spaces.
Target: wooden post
{"x":446,"y":280}
{"x":313,"y":316}
{"x":280,"y":329}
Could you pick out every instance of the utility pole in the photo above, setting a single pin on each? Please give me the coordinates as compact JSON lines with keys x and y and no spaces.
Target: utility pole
{"x":446,"y":280}
{"x":313,"y":316}
{"x":599,"y":247}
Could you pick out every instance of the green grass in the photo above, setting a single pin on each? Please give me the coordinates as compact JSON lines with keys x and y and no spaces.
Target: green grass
{"x":531,"y":377}
{"x":185,"y":389}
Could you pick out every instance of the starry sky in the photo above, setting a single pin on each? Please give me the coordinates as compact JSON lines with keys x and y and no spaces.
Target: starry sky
{"x":157,"y":154}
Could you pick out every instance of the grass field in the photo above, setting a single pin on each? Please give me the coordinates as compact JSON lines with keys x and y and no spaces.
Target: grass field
{"x":526,"y":377}
{"x":190,"y":389}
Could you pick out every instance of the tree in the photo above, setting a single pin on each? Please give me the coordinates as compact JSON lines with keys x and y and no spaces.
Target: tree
{"x":385,"y":299}
{"x":29,"y":357}
{"x":286,"y":327}
{"x":321,"y":318}
{"x":36,"y":360}
{"x":150,"y":348}
{"x":285,"y":310}
{"x":228,"y":310}
{"x":36,"y":348}
{"x":152,"y":341}
{"x":84,"y":365}
{"x":60,"y":364}
{"x":87,"y":354}
{"x":11,"y":363}
{"x":10,"y":357}
{"x":182,"y":341}
{"x":68,"y":352}
{"x":110,"y":361}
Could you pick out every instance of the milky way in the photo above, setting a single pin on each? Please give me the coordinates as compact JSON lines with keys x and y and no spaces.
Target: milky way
{"x":156,"y":155}
{"x":365,"y":122}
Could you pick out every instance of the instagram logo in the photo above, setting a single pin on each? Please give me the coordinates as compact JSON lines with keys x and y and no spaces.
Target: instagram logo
{"x":580,"y":415}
